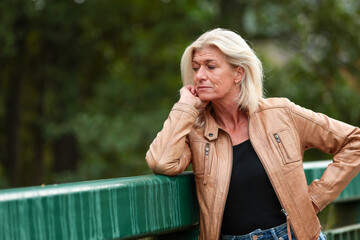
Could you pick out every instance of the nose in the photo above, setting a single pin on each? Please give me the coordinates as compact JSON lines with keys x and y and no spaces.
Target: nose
{"x":200,"y":74}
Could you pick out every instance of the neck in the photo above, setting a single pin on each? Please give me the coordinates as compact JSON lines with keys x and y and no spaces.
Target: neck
{"x":229,"y":116}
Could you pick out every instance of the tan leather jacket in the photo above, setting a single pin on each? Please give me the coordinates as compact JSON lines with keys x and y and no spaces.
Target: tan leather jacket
{"x":280,"y":132}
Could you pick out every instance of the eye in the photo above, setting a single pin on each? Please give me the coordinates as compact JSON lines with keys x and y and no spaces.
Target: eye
{"x":195,"y":69}
{"x":211,"y":67}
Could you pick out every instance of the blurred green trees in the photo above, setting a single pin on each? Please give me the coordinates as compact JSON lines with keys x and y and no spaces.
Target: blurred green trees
{"x":86,"y":85}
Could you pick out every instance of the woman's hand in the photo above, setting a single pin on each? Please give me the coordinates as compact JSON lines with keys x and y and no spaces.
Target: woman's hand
{"x":189,"y":96}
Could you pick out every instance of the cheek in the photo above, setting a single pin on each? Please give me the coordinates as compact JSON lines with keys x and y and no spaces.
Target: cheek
{"x":226,"y":81}
{"x":218,"y":84}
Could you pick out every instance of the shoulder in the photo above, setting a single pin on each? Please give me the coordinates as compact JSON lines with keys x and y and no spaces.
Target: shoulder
{"x":273,"y":103}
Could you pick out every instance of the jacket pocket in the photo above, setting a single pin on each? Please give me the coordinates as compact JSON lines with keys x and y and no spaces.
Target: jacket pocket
{"x":285,"y":144}
{"x":202,"y":158}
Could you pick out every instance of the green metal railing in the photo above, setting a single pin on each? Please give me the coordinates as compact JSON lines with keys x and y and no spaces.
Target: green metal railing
{"x":130,"y":208}
{"x":314,"y":170}
{"x":344,"y":212}
{"x":351,"y":232}
{"x":104,"y":209}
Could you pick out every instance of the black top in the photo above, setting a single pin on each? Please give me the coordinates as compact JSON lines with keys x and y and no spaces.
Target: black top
{"x":251,"y":202}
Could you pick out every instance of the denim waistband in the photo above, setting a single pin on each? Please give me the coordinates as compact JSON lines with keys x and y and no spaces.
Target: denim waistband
{"x":272,"y":233}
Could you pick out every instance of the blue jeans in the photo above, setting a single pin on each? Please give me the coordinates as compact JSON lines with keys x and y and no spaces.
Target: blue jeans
{"x":275,"y":233}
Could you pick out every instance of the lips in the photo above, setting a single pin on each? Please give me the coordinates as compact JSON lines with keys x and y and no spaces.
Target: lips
{"x":199,"y":88}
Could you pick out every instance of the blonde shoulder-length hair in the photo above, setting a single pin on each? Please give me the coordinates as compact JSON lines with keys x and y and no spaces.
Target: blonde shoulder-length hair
{"x":237,"y":53}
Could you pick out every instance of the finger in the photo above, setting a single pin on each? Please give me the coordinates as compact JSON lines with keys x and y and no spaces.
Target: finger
{"x":192,"y":89}
{"x":185,"y":89}
{"x":188,"y":87}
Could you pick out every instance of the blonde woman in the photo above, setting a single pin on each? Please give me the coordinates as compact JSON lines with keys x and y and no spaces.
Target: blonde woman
{"x":246,"y":151}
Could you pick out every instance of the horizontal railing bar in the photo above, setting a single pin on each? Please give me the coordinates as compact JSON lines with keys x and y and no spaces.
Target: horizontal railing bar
{"x":348,"y":228}
{"x":103,"y":209}
{"x":121,"y":208}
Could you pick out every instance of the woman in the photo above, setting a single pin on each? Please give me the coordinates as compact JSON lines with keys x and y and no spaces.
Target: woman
{"x":246,"y":151}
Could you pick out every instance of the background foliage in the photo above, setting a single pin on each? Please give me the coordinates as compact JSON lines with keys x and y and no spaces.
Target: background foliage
{"x":86,"y":85}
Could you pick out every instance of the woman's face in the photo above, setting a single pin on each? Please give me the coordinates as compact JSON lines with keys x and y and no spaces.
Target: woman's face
{"x":214,"y":78}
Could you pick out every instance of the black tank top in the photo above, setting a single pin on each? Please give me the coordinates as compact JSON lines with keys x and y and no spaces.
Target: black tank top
{"x":251,"y":203}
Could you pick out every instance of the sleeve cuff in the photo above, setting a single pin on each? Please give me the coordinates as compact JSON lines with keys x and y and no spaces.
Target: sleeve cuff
{"x":315,"y":200}
{"x":183,"y":107}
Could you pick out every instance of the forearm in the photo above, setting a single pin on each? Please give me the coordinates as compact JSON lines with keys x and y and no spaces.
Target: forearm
{"x":345,"y":166}
{"x":169,"y":153}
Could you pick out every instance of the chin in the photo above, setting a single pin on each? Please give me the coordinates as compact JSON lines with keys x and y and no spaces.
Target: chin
{"x":206,"y":97}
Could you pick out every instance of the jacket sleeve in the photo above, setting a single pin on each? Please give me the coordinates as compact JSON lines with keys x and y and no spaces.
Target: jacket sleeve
{"x":333,"y":137}
{"x":169,"y":153}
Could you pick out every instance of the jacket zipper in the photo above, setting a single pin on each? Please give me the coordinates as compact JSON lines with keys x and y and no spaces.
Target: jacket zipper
{"x":287,"y":223}
{"x":206,"y":162}
{"x":281,"y":146}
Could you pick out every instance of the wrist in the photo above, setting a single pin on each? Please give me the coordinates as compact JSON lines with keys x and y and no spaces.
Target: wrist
{"x":187,"y":101}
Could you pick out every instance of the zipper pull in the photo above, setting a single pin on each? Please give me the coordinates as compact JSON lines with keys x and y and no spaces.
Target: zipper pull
{"x":284,"y":212}
{"x":277,"y":137}
{"x":207,"y":147}
{"x":282,"y":148}
{"x":206,"y":159}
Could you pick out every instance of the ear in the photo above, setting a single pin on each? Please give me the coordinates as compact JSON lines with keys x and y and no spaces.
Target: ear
{"x":239,"y":74}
